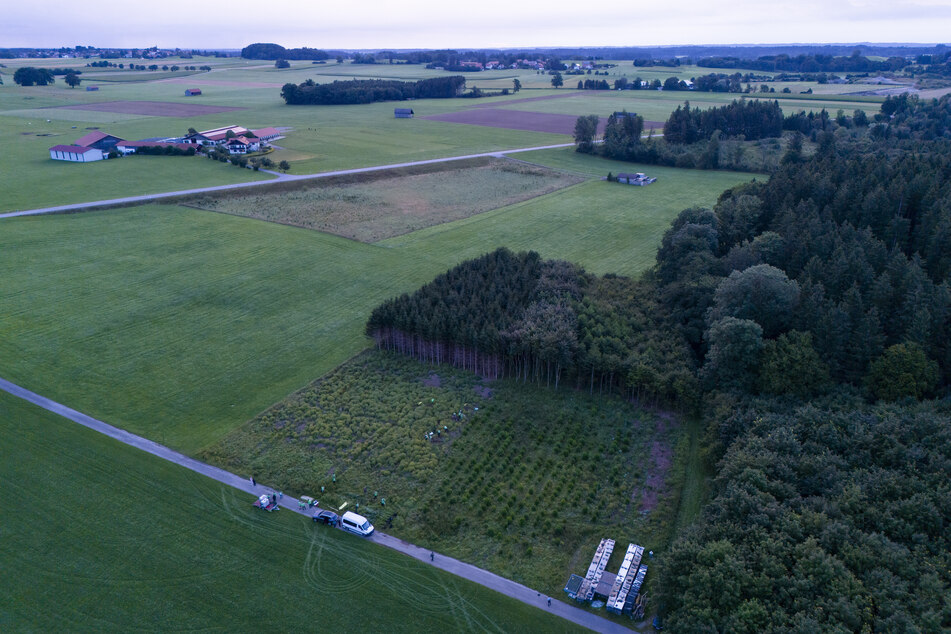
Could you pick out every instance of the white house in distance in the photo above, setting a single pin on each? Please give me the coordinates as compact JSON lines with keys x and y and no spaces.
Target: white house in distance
{"x":76,"y":153}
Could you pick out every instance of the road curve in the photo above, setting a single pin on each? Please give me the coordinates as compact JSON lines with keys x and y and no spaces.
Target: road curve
{"x":280,"y":178}
{"x":467,"y":571}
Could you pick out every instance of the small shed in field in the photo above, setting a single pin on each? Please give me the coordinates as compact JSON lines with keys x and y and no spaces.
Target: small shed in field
{"x":403,"y":113}
{"x":191,"y":92}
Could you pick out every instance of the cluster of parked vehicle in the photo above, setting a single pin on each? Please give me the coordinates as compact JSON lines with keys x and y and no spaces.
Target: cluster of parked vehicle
{"x":350,"y":521}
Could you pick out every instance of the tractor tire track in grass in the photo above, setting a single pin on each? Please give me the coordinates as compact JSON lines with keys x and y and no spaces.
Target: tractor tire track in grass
{"x":348,"y":548}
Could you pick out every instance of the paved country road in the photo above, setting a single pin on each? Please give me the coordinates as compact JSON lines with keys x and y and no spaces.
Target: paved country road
{"x":281,"y":178}
{"x":454,"y":566}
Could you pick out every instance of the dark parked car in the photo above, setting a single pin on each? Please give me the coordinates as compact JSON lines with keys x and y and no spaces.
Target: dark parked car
{"x":327,"y":517}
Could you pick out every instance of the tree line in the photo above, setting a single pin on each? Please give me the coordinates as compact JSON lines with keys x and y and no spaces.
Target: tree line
{"x":809,"y":63}
{"x":754,"y":119}
{"x":514,"y":315}
{"x":371,"y":90}
{"x":276,"y":51}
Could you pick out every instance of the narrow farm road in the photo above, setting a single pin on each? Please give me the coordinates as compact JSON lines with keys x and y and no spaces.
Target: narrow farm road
{"x":280,"y":178}
{"x":467,"y":571}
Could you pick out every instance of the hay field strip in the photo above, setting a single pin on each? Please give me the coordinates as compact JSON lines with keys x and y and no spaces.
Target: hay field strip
{"x":370,"y":208}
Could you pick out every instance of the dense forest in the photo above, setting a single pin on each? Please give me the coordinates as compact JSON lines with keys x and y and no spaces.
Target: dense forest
{"x":809,"y":63}
{"x":515,"y":315}
{"x":276,"y":51}
{"x":807,"y":320}
{"x":371,"y":90}
{"x":739,"y":136}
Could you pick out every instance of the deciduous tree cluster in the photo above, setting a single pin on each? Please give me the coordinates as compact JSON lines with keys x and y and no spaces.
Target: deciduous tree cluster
{"x":371,"y":90}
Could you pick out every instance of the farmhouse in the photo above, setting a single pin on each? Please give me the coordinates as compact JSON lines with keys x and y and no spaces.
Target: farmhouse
{"x":192,"y":92}
{"x":241,"y":145}
{"x":76,"y":153}
{"x":98,"y":140}
{"x":403,"y":113}
{"x":236,"y":139}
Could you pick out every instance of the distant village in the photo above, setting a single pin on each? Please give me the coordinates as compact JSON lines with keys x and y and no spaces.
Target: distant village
{"x":234,"y":139}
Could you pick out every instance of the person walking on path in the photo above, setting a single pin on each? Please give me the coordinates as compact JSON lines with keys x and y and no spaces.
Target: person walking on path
{"x":432,"y":556}
{"x":549,"y":601}
{"x":253,"y":484}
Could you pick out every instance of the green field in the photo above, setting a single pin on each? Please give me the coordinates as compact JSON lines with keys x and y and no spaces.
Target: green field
{"x":319,"y":138}
{"x":181,"y":324}
{"x":100,"y":537}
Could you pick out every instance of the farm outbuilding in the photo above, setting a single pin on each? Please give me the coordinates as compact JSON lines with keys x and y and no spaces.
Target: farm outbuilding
{"x":267,"y":134}
{"x":98,"y":140}
{"x":403,"y":113}
{"x":191,"y":92}
{"x":76,"y":153}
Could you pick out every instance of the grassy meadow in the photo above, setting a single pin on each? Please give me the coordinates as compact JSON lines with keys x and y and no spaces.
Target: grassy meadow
{"x":181,"y":324}
{"x":376,"y":206}
{"x":99,"y":537}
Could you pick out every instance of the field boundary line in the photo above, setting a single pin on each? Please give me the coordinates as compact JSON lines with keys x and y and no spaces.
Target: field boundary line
{"x":454,"y":566}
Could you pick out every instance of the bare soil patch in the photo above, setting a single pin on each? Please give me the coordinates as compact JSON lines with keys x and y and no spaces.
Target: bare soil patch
{"x":373,"y":207}
{"x":528,"y":100}
{"x":150,"y":108}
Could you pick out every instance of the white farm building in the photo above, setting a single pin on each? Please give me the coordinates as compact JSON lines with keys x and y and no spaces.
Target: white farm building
{"x":76,"y":153}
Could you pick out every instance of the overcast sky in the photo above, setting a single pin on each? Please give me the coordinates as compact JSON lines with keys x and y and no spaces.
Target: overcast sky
{"x":480,"y":24}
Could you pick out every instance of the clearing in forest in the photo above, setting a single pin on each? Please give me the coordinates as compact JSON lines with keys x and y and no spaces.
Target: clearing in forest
{"x":518,"y":478}
{"x":373,"y":207}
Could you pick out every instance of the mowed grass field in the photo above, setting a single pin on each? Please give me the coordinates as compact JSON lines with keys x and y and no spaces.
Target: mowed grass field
{"x":318,"y":138}
{"x":180,"y":324}
{"x":100,"y":537}
{"x":370,"y":207}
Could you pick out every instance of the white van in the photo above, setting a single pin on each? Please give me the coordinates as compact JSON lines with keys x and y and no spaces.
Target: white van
{"x":356,"y":524}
